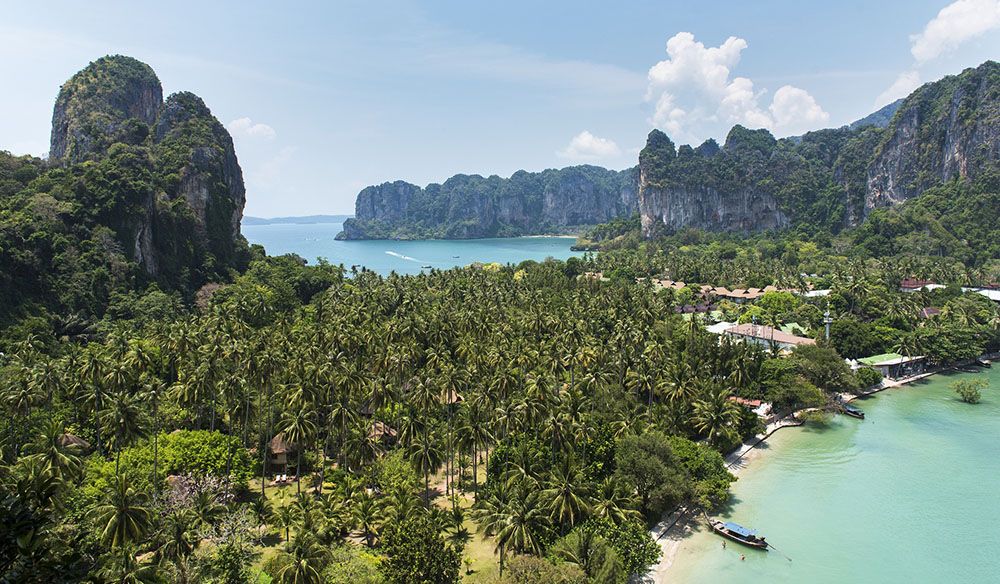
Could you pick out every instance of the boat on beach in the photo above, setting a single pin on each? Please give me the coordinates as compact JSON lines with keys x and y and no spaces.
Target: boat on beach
{"x":738,"y":533}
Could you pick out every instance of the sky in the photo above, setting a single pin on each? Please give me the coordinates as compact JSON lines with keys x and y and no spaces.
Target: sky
{"x":325,"y":98}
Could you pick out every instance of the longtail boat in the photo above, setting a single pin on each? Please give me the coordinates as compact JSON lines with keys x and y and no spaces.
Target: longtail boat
{"x":852,"y":411}
{"x":738,"y":533}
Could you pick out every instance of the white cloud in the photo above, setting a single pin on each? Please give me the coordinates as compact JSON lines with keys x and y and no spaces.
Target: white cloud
{"x":586,"y":146}
{"x":246,"y":128}
{"x":955,"y":24}
{"x":901,"y":87}
{"x":696,"y":95}
{"x":795,"y":108}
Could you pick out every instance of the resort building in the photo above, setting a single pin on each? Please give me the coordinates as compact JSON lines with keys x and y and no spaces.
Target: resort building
{"x":766,"y":336}
{"x":759,"y":407}
{"x":894,"y":365}
{"x":914,"y":285}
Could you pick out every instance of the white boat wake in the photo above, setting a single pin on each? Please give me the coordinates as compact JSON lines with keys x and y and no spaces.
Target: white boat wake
{"x":402,"y":257}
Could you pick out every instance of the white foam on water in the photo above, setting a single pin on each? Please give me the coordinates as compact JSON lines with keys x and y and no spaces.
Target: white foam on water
{"x":402,"y":257}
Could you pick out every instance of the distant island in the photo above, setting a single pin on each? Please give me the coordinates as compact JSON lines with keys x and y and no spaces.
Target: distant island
{"x":303,"y":220}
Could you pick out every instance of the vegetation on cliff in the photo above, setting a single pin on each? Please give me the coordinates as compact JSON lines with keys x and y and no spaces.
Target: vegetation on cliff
{"x":826,"y":180}
{"x":137,"y":192}
{"x":472,"y":206}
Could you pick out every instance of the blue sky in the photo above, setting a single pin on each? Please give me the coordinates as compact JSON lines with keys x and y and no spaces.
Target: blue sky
{"x":326,"y":98}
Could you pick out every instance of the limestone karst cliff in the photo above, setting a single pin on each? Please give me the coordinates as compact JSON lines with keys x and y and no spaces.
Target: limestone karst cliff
{"x":181,"y":216}
{"x":472,"y":206}
{"x":828,"y":179}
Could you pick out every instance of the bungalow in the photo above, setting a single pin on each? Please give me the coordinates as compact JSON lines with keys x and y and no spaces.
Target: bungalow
{"x":914,"y":285}
{"x":929,"y":311}
{"x":894,"y":365}
{"x":281,"y":451}
{"x":766,"y":336}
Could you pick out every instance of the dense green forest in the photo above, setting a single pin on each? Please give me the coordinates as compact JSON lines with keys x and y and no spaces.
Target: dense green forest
{"x":532,"y":406}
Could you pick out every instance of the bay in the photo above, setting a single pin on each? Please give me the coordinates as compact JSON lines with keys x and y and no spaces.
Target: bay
{"x":317,"y":240}
{"x":909,"y":494}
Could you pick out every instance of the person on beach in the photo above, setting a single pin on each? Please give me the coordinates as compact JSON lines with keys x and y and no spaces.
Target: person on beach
{"x":723,"y":545}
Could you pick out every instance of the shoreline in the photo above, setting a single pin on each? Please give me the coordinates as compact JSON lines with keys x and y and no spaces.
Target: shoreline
{"x":671,"y":531}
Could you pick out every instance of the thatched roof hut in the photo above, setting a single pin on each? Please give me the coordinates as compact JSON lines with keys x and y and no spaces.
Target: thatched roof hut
{"x":279,"y":445}
{"x":68,"y":440}
{"x":380,"y":430}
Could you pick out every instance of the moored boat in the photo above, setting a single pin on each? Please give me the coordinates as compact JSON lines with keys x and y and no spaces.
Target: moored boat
{"x":852,"y":411}
{"x":983,"y":362}
{"x":738,"y":533}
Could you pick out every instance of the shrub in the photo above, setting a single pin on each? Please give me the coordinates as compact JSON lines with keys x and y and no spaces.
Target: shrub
{"x":970,"y":390}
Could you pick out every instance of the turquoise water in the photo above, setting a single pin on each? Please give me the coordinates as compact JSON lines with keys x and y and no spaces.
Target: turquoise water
{"x":910,"y":494}
{"x":404,"y":257}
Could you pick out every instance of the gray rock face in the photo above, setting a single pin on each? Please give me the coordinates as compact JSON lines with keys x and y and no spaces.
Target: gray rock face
{"x":691,"y":188}
{"x":472,"y":206}
{"x":111,"y":100}
{"x":211,"y":180}
{"x":706,"y":208}
{"x":944,"y":130}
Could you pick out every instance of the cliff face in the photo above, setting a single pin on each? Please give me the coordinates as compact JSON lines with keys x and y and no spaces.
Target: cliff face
{"x":472,"y":206}
{"x":675,"y":190}
{"x":828,"y":179}
{"x":181,"y":215}
{"x":944,"y":130}
{"x":114,"y":99}
{"x":199,"y":151}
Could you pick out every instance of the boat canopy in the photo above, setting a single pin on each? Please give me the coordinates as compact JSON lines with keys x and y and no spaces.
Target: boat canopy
{"x":739,"y":529}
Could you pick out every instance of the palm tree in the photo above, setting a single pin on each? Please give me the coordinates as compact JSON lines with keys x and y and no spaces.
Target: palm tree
{"x":304,"y":561}
{"x":426,"y":456}
{"x":367,"y":513}
{"x":123,"y":422}
{"x":567,"y":496}
{"x":129,"y":571}
{"x":614,"y":503}
{"x":123,"y":519}
{"x":283,"y":517}
{"x":592,"y":554}
{"x":180,"y":541}
{"x":299,"y":427}
{"x":715,"y":415}
{"x":58,"y":458}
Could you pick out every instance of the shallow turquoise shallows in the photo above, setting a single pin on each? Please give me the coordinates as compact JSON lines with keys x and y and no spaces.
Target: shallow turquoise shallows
{"x":911,"y":494}
{"x":403,"y":257}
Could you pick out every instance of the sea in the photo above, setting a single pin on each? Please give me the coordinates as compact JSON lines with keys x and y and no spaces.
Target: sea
{"x":910,"y":494}
{"x":317,"y":240}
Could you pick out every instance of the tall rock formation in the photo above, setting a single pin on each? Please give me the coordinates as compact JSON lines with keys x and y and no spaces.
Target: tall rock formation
{"x":943,"y":130}
{"x":688,"y":188}
{"x":180,"y":217}
{"x":114,"y":99}
{"x":472,"y":206}
{"x":828,"y":179}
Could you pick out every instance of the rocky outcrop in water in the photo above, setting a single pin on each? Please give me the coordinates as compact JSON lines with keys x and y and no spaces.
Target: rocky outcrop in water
{"x":472,"y":206}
